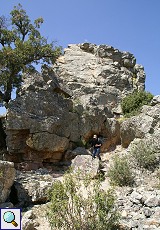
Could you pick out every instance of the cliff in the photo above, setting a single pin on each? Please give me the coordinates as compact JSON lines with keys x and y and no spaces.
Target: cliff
{"x":60,"y":109}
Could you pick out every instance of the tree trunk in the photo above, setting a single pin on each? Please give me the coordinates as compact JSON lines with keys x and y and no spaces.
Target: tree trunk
{"x":8,"y":91}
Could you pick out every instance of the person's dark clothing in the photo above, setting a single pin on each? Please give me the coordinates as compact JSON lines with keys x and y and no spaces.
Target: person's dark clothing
{"x":94,"y":142}
{"x":96,"y":149}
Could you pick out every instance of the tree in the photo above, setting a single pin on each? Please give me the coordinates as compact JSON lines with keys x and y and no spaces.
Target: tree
{"x":21,"y":46}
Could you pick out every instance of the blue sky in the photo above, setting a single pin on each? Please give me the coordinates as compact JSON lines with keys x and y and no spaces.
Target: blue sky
{"x":132,"y":26}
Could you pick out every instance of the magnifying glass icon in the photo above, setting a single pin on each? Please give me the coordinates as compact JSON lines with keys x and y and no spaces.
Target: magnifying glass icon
{"x":9,"y":217}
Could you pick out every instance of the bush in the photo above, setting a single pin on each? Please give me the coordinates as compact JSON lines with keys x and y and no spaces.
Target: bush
{"x":132,"y":103}
{"x":120,"y":173}
{"x":144,"y":154}
{"x":70,"y":209}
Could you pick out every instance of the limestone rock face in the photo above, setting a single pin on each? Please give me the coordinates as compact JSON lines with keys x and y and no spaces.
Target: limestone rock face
{"x":7,"y":176}
{"x":63,"y":107}
{"x":39,"y":121}
{"x":99,"y":76}
{"x":140,"y":126}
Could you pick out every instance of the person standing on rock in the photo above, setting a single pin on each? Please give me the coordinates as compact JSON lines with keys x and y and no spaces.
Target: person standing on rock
{"x":96,"y":143}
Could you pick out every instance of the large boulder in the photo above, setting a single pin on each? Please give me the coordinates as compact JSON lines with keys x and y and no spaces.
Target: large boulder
{"x":85,"y":165}
{"x":32,"y":187}
{"x":7,"y":176}
{"x":147,"y":122}
{"x":39,"y":122}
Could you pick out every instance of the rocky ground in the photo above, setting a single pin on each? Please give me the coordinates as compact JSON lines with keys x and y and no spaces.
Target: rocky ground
{"x":34,"y":217}
{"x":139,"y":206}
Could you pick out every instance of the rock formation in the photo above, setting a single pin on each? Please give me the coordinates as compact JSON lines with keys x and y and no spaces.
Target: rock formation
{"x":38,"y":123}
{"x":64,"y":106}
{"x":85,"y":165}
{"x":7,"y":176}
{"x":147,"y":122}
{"x":99,"y":76}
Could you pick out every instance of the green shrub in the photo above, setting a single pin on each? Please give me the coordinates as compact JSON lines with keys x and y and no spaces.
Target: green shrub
{"x":132,"y":103}
{"x":144,"y":154}
{"x":70,"y":209}
{"x":120,"y":173}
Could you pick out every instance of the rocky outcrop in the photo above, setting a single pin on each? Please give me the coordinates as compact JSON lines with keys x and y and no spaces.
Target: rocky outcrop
{"x":139,"y":126}
{"x":99,"y":76}
{"x":38,"y":124}
{"x":63,"y":107}
{"x":7,"y":176}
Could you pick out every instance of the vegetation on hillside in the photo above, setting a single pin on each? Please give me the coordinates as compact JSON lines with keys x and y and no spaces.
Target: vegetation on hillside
{"x":21,"y":46}
{"x":120,"y":172}
{"x":78,"y":204}
{"x":146,"y":154}
{"x":132,"y":103}
{"x":143,"y":155}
